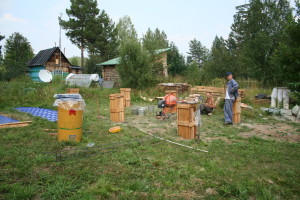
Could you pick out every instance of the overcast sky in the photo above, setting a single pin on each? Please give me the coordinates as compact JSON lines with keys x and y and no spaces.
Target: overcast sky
{"x":182,"y":21}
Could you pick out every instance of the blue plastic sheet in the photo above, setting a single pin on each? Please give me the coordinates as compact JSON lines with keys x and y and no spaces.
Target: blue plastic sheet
{"x":48,"y":114}
{"x":6,"y":120}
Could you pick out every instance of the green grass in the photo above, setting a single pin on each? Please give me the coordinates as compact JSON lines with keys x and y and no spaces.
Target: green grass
{"x":235,"y":167}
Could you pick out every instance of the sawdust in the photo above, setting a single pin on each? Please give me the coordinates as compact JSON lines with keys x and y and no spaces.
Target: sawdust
{"x":279,"y":132}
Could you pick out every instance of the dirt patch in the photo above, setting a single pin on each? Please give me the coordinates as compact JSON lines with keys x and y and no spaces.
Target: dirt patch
{"x":280,"y":132}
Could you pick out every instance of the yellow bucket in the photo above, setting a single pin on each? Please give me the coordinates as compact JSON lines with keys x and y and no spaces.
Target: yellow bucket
{"x":70,"y":121}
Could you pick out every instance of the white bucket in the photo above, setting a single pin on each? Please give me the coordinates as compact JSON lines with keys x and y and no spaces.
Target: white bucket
{"x":142,"y":111}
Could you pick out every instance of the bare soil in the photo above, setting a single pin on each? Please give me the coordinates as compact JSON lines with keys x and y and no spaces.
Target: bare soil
{"x":279,"y":131}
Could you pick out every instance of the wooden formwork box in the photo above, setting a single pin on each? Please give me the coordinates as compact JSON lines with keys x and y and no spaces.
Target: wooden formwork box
{"x":73,"y":90}
{"x":117,"y":108}
{"x":186,"y":120}
{"x":126,"y":93}
{"x":237,"y":110}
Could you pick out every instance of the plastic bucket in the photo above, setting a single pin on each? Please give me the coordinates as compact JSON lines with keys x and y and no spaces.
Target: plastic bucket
{"x":150,"y":108}
{"x":70,"y":121}
{"x":134,"y":111}
{"x":142,"y":111}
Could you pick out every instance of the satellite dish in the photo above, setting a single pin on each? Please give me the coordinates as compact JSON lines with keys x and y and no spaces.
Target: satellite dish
{"x":45,"y":76}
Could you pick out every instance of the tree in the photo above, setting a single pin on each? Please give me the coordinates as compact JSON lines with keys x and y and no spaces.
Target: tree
{"x":257,"y":30}
{"x":75,"y":60}
{"x":1,"y":60}
{"x":1,"y":38}
{"x":220,"y":60}
{"x":135,"y":68}
{"x":125,"y":29}
{"x":81,"y":24}
{"x":286,"y":60}
{"x":198,"y":53}
{"x":91,"y":65}
{"x":18,"y":52}
{"x":155,"y":40}
{"x":104,"y":41}
{"x":176,"y":61}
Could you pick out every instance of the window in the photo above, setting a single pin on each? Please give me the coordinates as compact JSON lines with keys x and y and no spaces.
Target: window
{"x":57,"y":72}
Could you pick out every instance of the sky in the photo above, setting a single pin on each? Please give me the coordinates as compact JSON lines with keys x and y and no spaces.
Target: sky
{"x":182,"y":21}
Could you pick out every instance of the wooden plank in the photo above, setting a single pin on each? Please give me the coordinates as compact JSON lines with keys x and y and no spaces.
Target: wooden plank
{"x":16,"y":124}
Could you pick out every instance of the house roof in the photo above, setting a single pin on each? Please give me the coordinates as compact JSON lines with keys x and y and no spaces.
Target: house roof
{"x":74,"y":67}
{"x":43,"y":56}
{"x":159,"y":51}
{"x":114,"y":61}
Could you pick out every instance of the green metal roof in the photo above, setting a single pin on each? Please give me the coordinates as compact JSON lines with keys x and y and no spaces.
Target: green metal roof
{"x":114,"y":61}
{"x":158,"y":51}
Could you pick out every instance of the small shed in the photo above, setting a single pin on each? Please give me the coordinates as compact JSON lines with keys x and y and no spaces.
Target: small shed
{"x":109,"y":68}
{"x":52,"y":60}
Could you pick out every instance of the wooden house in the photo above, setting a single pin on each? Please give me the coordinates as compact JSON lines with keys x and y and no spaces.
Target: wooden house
{"x":52,"y":60}
{"x":109,"y":68}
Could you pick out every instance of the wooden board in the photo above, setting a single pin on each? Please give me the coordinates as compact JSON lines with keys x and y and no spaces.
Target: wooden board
{"x":215,"y":91}
{"x":16,"y":124}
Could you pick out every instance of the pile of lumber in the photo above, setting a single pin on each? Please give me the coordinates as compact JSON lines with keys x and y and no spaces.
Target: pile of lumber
{"x":179,"y":87}
{"x":215,"y":91}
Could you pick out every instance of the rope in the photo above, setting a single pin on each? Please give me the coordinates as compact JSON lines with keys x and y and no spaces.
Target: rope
{"x":160,"y":138}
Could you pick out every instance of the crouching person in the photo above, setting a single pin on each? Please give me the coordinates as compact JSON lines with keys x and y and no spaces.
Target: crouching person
{"x":208,"y":106}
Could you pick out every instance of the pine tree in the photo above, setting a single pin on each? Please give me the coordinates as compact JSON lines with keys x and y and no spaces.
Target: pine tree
{"x":154,"y":40}
{"x":197,"y":53}
{"x":125,"y":29}
{"x":257,"y":31}
{"x":104,"y":40}
{"x":176,"y":61}
{"x":81,"y":24}
{"x":18,"y":52}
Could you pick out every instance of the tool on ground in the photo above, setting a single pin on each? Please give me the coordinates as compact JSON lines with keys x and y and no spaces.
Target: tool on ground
{"x":115,"y":129}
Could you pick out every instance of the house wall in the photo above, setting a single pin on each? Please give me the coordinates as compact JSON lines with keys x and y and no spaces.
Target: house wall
{"x":162,"y":58}
{"x":53,"y":62}
{"x":110,"y":73}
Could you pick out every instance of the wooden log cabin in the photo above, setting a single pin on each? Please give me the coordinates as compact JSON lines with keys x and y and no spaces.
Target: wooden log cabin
{"x":52,"y":60}
{"x":110,"y":73}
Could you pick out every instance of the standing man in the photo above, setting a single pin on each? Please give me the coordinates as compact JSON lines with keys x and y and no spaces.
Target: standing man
{"x":231,"y":94}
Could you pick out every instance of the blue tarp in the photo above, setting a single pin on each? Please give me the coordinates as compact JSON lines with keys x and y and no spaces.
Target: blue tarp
{"x":6,"y":120}
{"x":48,"y":114}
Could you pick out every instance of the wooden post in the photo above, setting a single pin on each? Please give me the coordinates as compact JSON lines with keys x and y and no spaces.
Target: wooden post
{"x":126,"y":93}
{"x":116,"y":108}
{"x":237,"y":110}
{"x":186,"y":120}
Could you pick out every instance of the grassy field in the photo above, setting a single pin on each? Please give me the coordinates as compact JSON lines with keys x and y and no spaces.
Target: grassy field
{"x":258,"y":159}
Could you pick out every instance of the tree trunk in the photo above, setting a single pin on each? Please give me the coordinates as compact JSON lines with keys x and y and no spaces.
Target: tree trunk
{"x":82,"y":56}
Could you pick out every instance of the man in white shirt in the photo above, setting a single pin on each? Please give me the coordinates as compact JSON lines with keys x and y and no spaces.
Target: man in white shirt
{"x":230,"y":96}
